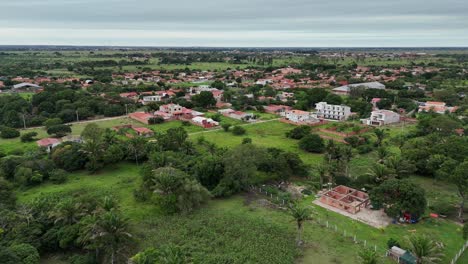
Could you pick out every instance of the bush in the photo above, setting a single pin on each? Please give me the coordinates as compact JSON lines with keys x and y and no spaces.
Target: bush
{"x":8,"y":132}
{"x":312,"y":143}
{"x":59,"y":130}
{"x":52,"y":122}
{"x":246,"y":141}
{"x":238,"y":130}
{"x":156,"y":120}
{"x":226,"y":127}
{"x":441,"y":207}
{"x":58,"y":176}
{"x":363,"y":149}
{"x":298,"y":132}
{"x":392,"y":243}
{"x":28,"y":137}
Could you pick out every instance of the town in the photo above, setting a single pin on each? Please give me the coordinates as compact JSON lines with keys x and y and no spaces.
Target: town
{"x":197,"y":154}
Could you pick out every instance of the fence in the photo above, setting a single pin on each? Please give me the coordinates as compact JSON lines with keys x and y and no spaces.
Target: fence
{"x":329,"y":225}
{"x":322,"y":222}
{"x":459,"y":253}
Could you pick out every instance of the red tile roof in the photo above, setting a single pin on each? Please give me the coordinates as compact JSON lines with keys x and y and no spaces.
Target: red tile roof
{"x":47,"y":142}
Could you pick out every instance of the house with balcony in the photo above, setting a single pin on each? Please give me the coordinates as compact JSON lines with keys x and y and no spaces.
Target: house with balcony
{"x":334,"y":112}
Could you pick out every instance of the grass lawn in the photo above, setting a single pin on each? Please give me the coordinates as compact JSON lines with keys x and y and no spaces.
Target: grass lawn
{"x":268,"y":134}
{"x":242,"y":233}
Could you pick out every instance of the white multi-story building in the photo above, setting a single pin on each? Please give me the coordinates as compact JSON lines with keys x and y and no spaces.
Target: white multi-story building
{"x":335,"y":112}
{"x":381,"y":117}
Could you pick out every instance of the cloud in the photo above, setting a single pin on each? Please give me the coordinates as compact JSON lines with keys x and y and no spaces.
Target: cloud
{"x":235,"y":23}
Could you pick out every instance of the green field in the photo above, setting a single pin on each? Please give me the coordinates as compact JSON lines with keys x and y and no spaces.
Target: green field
{"x":226,"y":224}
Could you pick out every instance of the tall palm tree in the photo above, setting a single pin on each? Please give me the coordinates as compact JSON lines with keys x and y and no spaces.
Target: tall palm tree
{"x":368,"y":256}
{"x":382,"y":153}
{"x":426,"y":250}
{"x":111,"y":234}
{"x":380,"y":134}
{"x":300,"y":215}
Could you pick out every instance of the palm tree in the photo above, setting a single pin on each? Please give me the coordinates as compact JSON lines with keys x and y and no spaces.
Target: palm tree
{"x":300,"y":215}
{"x":379,"y":172}
{"x":382,"y":153}
{"x":368,"y":256}
{"x":322,"y":171}
{"x":67,"y":212}
{"x":424,"y":249}
{"x":380,"y":134}
{"x":111,"y":233}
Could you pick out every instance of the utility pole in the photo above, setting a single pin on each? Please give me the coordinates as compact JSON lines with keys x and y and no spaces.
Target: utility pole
{"x":126,"y":109}
{"x":77,"y":117}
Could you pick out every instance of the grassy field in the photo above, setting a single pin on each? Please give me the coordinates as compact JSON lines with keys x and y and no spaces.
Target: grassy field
{"x":268,"y":134}
{"x":241,"y":228}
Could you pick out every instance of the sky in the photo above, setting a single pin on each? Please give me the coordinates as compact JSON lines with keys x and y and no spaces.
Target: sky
{"x":236,"y":23}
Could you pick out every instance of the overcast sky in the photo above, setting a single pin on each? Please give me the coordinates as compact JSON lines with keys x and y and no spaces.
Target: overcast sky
{"x":235,"y":23}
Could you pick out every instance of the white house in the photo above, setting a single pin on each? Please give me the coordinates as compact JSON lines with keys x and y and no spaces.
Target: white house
{"x":381,"y":117}
{"x":299,"y":116}
{"x":152,"y":99}
{"x":335,"y":112}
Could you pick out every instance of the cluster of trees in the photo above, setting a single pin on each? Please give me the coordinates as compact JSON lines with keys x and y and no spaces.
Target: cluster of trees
{"x":90,"y":224}
{"x":57,"y":101}
{"x":182,"y":176}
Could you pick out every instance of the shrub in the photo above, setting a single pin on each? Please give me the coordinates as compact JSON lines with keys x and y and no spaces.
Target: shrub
{"x":156,"y":120}
{"x":58,"y":176}
{"x":226,"y":127}
{"x":312,"y":143}
{"x":246,"y":140}
{"x":363,"y":149}
{"x":59,"y":130}
{"x":52,"y":122}
{"x":8,"y":132}
{"x":392,"y":243}
{"x":441,"y":207}
{"x":298,"y":132}
{"x":28,"y":137}
{"x":238,"y":130}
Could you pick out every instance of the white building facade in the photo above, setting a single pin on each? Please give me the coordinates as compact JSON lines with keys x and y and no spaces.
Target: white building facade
{"x":381,"y":117}
{"x":335,"y":112}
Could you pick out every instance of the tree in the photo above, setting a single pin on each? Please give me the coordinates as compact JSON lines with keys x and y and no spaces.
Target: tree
{"x":312,"y":143}
{"x":368,"y":256}
{"x":59,"y":130}
{"x":69,"y":156}
{"x":7,"y":195}
{"x":240,"y":166}
{"x":173,"y":139}
{"x":111,"y":234}
{"x":177,"y":192}
{"x":298,"y":132}
{"x":380,"y":135}
{"x":238,"y":130}
{"x":28,"y":137}
{"x":226,"y":127}
{"x":399,"y":197}
{"x":52,"y":122}
{"x":93,"y":146}
{"x":300,"y":215}
{"x":205,"y":99}
{"x":460,"y":178}
{"x":58,"y":176}
{"x":24,"y":253}
{"x":379,"y":173}
{"x":424,"y":249}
